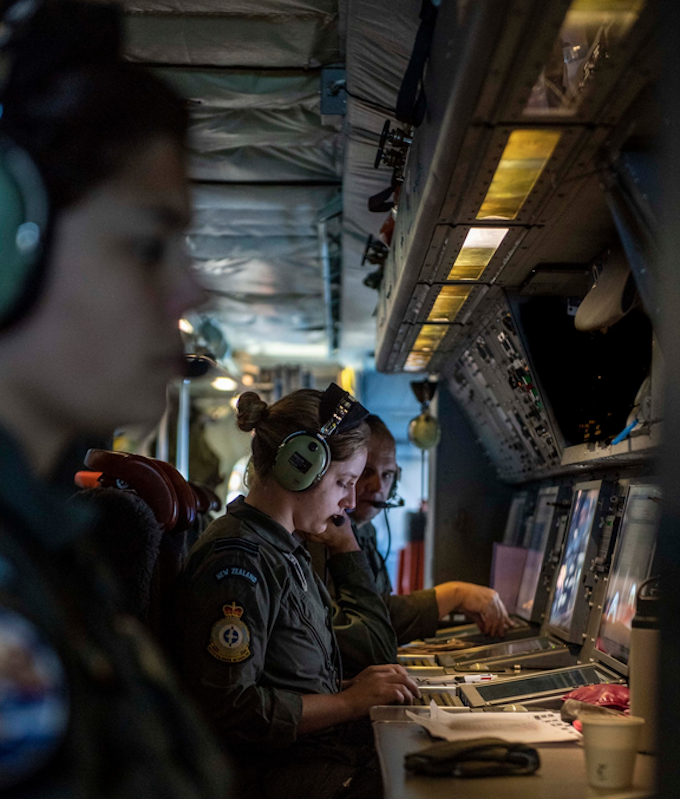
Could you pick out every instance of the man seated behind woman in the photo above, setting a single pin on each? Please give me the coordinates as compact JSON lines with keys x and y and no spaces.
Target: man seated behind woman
{"x":255,"y":624}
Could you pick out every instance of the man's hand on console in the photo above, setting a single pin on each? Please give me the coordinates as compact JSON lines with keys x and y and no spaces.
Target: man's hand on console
{"x":482,"y":604}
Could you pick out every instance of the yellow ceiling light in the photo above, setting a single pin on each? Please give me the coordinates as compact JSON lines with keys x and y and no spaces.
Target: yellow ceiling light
{"x":448,"y":303}
{"x":185,"y":326}
{"x":224,"y":384}
{"x":478,"y":249}
{"x":523,"y":160}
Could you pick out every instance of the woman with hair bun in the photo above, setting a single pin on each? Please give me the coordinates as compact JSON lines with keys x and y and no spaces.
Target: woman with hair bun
{"x":255,"y":623}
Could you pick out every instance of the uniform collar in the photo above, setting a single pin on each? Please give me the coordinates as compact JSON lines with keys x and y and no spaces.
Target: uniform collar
{"x":268,"y":529}
{"x":34,"y":506}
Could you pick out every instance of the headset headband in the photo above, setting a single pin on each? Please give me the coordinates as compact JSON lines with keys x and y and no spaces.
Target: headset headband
{"x":339,"y":411}
{"x":303,"y":457}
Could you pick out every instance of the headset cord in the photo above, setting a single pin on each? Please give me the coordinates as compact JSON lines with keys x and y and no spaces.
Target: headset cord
{"x":389,"y":539}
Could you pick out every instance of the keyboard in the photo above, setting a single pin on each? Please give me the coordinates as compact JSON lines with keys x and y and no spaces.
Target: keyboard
{"x":442,"y":698}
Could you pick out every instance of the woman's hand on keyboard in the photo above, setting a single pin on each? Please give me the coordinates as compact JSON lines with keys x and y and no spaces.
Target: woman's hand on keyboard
{"x":379,"y":685}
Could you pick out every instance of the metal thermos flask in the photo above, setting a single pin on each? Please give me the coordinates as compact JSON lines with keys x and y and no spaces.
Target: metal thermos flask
{"x":643,"y":661}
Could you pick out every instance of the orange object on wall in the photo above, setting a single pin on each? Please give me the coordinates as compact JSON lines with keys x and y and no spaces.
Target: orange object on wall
{"x":411,"y":572}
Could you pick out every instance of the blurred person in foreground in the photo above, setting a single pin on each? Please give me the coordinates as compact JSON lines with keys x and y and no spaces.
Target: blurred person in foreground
{"x":88,"y":341}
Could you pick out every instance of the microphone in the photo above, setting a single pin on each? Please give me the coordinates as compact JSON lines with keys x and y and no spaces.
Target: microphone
{"x":338,"y":520}
{"x":387,"y":505}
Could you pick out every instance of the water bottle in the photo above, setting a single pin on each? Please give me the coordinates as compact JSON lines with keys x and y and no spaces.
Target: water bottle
{"x":643,"y":662}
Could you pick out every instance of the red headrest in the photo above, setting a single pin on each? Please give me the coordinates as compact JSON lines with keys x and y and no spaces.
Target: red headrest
{"x":125,"y":470}
{"x":187,"y":505}
{"x":206,"y":498}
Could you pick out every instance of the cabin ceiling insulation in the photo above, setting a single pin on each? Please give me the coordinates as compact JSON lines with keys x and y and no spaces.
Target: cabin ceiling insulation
{"x":378,"y":47}
{"x":267,"y":168}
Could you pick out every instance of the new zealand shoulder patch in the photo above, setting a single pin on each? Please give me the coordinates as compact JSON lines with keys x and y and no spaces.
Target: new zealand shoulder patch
{"x":230,"y":636}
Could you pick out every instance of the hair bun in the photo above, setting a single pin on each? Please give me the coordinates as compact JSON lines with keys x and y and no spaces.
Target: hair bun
{"x":250,"y":411}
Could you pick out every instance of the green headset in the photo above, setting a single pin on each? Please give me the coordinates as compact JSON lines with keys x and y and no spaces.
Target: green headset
{"x":24,"y":205}
{"x":303,"y":457}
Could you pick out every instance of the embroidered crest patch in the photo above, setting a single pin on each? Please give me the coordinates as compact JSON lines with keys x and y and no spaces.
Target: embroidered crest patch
{"x":230,"y":636}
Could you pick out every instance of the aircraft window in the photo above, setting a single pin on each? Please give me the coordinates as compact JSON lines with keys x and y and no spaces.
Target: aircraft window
{"x":590,"y":31}
{"x":478,"y":249}
{"x":523,"y":160}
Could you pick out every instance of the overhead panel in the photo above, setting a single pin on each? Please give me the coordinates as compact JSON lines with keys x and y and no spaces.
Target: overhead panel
{"x":492,"y":172}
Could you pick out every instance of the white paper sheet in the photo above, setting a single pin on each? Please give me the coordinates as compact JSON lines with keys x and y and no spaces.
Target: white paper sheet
{"x":528,"y":728}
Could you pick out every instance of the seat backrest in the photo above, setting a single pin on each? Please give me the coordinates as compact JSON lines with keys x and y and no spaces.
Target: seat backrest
{"x":173,"y":509}
{"x":129,"y":536}
{"x":128,"y":471}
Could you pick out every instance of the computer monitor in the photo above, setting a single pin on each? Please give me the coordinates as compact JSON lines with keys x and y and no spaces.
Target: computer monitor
{"x":543,"y":518}
{"x":514,"y":527}
{"x":631,"y":566}
{"x":569,"y":608}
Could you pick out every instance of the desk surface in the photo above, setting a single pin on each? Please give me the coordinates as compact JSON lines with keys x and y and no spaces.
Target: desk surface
{"x":561,"y":775}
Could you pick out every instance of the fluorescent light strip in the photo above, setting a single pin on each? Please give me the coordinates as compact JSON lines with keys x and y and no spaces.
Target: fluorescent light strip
{"x":448,"y":303}
{"x":523,"y":160}
{"x":429,"y":337}
{"x":478,"y":249}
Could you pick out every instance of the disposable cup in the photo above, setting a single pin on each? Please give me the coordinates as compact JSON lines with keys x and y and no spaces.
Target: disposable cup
{"x":611,"y":744}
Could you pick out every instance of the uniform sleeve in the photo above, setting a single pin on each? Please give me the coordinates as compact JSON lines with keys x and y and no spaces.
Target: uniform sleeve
{"x":361,"y":623}
{"x":225,"y":610}
{"x":414,"y":615}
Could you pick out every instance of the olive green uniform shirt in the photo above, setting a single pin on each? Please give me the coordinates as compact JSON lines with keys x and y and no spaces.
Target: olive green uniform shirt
{"x":255,"y":625}
{"x":414,"y":615}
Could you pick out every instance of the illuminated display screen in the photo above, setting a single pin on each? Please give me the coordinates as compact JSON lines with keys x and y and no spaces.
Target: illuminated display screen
{"x":565,"y":680}
{"x":631,"y":566}
{"x":503,"y":650}
{"x":514,"y":527}
{"x":571,"y":566}
{"x":543,"y":516}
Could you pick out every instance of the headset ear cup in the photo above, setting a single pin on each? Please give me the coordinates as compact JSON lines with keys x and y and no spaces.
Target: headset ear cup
{"x":301,"y":461}
{"x":24,"y":217}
